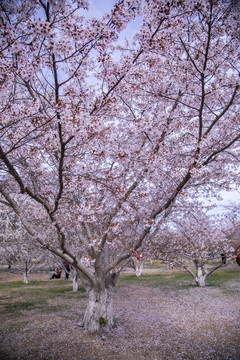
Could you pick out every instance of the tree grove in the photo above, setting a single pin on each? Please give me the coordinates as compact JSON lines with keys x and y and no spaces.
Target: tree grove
{"x":100,"y":137}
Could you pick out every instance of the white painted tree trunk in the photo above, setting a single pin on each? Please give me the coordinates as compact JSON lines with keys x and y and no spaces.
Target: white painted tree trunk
{"x":139,"y":269}
{"x":99,"y":313}
{"x":75,"y":283}
{"x":200,"y":278}
{"x":25,"y":278}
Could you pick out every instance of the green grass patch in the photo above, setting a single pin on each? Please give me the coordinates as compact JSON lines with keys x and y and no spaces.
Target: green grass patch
{"x":12,"y":285}
{"x":59,"y":289}
{"x":31,"y":300}
{"x":158,"y":280}
{"x":18,"y":309}
{"x":21,"y":284}
{"x":18,"y":298}
{"x":52,"y":287}
{"x":19,"y":306}
{"x":222,"y":276}
{"x":181,"y":279}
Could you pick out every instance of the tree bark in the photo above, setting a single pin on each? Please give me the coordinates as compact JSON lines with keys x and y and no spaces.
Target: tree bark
{"x":99,"y":314}
{"x":75,"y":283}
{"x":200,"y":278}
{"x":25,"y":278}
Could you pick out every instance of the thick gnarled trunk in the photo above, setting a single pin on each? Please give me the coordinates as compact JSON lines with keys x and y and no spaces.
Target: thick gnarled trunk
{"x":99,"y":314}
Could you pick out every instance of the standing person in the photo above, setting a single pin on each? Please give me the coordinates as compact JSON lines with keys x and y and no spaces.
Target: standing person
{"x":223,"y":256}
{"x":67,"y":269}
{"x":238,"y":257}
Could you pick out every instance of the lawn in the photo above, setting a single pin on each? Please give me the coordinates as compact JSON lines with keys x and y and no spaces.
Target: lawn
{"x":161,"y":315}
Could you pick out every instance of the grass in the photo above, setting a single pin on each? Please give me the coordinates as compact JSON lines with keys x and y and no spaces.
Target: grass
{"x":37,"y":294}
{"x":173,"y":279}
{"x":223,"y":276}
{"x":160,"y":280}
{"x":170,"y":279}
{"x":39,"y":315}
{"x":17,"y":298}
{"x":11,"y":285}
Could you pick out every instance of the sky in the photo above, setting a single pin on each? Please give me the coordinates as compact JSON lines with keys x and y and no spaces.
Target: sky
{"x":228,"y":198}
{"x":97,"y":8}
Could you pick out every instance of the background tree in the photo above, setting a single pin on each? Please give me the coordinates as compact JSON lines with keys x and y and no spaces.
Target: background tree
{"x":17,"y":247}
{"x":99,"y":138}
{"x":231,"y":225}
{"x":194,"y":241}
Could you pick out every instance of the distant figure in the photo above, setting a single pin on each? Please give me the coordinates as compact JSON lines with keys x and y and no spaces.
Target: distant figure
{"x":238,"y":258}
{"x":223,"y":258}
{"x":57,"y":274}
{"x":67,"y":269}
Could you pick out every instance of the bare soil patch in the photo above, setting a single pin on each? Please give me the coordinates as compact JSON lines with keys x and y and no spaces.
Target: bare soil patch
{"x":153,"y":322}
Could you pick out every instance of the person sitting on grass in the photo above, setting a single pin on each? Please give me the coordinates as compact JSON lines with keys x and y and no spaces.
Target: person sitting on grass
{"x":57,"y":274}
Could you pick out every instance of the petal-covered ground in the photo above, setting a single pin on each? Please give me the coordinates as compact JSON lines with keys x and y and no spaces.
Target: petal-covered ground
{"x":152,"y":322}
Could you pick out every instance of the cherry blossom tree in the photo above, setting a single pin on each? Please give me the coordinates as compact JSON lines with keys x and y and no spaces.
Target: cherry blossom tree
{"x":28,"y":259}
{"x":100,"y":137}
{"x":231,"y":225}
{"x":17,"y":248}
{"x":193,"y":241}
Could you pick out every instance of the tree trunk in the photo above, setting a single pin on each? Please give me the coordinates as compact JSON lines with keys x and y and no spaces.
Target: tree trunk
{"x":75,"y":283}
{"x":25,"y":278}
{"x":139,"y":269}
{"x":99,"y":313}
{"x":200,"y":278}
